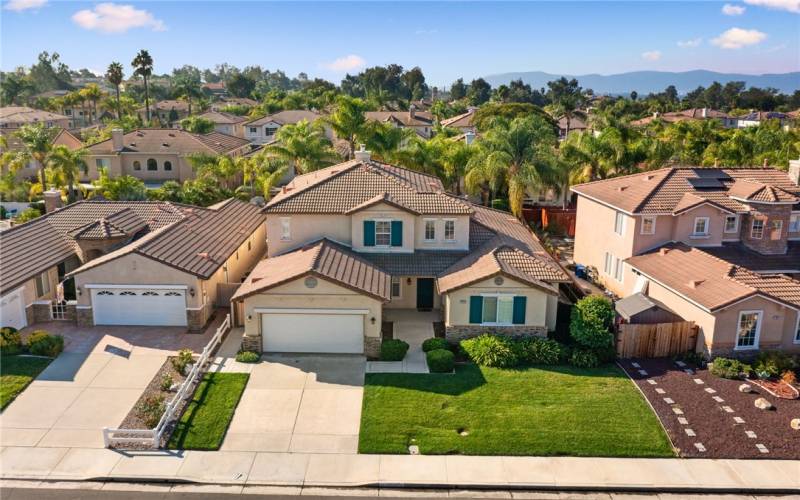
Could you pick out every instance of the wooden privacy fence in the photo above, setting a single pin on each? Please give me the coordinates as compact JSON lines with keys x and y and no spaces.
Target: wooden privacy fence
{"x":656,"y":340}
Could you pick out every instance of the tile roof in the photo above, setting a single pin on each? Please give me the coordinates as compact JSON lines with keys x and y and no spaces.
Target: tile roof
{"x":679,"y":116}
{"x":324,"y":259}
{"x":709,"y":281}
{"x":221,"y":117}
{"x":738,"y":254}
{"x":62,"y":138}
{"x":752,"y":190}
{"x":168,"y":105}
{"x":420,"y":118}
{"x":24,"y":114}
{"x":343,"y":187}
{"x":285,"y":117}
{"x":661,"y":191}
{"x":126,"y":222}
{"x":170,"y":140}
{"x":463,"y":120}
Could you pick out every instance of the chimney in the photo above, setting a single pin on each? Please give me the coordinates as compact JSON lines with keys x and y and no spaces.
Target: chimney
{"x":794,"y":171}
{"x":116,"y":139}
{"x":469,"y":137}
{"x":362,"y":154}
{"x":412,"y":111}
{"x":52,"y":200}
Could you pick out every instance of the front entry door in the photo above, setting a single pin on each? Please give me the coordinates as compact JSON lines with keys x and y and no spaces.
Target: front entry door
{"x":425,"y":293}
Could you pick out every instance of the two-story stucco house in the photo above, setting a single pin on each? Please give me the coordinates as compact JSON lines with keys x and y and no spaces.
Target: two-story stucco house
{"x":263,"y":130}
{"x":226,"y":123}
{"x":717,"y":246}
{"x":421,"y":122}
{"x":349,"y":241}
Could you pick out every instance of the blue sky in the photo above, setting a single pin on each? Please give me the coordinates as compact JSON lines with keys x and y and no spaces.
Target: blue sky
{"x":447,"y":40}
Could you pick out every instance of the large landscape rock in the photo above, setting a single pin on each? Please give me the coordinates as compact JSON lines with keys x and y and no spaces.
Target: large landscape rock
{"x":746,"y":388}
{"x":763,"y":404}
{"x":795,"y":424}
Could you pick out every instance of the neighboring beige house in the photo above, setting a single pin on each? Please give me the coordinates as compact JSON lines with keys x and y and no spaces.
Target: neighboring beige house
{"x":755,"y":118}
{"x":643,"y":231}
{"x":349,"y":241}
{"x":17,"y":116}
{"x":127,"y":263}
{"x":169,"y":112}
{"x":421,"y":122}
{"x":462,"y":122}
{"x":263,"y":130}
{"x":156,"y":155}
{"x":725,"y":120}
{"x":63,"y":138}
{"x":226,"y":123}
{"x":233,"y":101}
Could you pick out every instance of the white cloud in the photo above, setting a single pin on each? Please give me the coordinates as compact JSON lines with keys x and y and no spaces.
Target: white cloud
{"x":116,"y":18}
{"x":651,"y":55}
{"x":736,"y":38}
{"x":789,"y":5}
{"x":20,"y":5}
{"x":733,"y":10}
{"x":693,"y":42}
{"x":346,"y":63}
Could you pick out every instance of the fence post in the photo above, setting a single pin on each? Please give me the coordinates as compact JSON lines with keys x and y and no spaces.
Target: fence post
{"x":105,"y":438}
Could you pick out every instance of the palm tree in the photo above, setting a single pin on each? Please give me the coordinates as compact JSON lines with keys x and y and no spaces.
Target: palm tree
{"x":37,"y":145}
{"x":92,"y":93}
{"x":304,"y":145}
{"x":266,"y":171}
{"x":68,"y":164}
{"x":115,"y":74}
{"x":385,"y":140}
{"x":189,"y":88}
{"x":143,"y":64}
{"x":348,"y":121}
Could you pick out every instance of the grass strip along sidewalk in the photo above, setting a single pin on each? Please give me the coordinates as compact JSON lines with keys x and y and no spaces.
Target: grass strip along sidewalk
{"x":16,"y":372}
{"x":209,"y":413}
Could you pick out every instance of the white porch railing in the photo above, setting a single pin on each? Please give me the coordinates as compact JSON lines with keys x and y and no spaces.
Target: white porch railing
{"x":153,"y":436}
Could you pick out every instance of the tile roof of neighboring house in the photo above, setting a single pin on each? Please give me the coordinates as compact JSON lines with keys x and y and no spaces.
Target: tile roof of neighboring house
{"x":239,"y":101}
{"x":759,"y":116}
{"x":24,"y":114}
{"x":463,"y":120}
{"x":31,"y":248}
{"x":661,"y":191}
{"x":343,"y":187}
{"x":221,"y":117}
{"x":420,"y":118}
{"x":324,"y":259}
{"x":679,"y":116}
{"x":168,"y":105}
{"x":285,"y":117}
{"x":709,"y":281}
{"x":738,"y":254}
{"x":199,"y":243}
{"x":575,"y":123}
{"x":754,"y":191}
{"x":126,"y":222}
{"x":170,"y":140}
{"x":62,"y":138}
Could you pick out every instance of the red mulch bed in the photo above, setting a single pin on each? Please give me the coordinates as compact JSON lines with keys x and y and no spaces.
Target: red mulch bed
{"x":715,"y":428}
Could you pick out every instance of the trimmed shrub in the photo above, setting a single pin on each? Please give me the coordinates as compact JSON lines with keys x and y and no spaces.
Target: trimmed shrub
{"x":584,"y":358}
{"x":42,"y":343}
{"x":166,"y":382}
{"x":491,"y":350}
{"x":150,"y":410}
{"x":730,"y":368}
{"x":540,"y":351}
{"x":440,"y":360}
{"x":10,"y":341}
{"x":248,"y":357}
{"x":772,"y":364}
{"x":184,"y":358}
{"x":500,"y":204}
{"x":591,"y":321}
{"x":393,"y":350}
{"x":434,"y":344}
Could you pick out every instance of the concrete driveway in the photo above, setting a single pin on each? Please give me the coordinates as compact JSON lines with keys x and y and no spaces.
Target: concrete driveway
{"x":300,"y":404}
{"x":93,"y":384}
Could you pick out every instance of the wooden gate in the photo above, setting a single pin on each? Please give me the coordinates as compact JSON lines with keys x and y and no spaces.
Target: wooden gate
{"x":656,"y":340}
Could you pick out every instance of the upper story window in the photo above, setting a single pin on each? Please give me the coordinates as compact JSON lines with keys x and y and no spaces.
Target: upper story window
{"x":700,"y":226}
{"x":794,"y":223}
{"x":42,"y":284}
{"x":749,"y":328}
{"x":152,"y":164}
{"x":168,"y":165}
{"x":449,"y":230}
{"x":137,"y":165}
{"x":618,"y":269}
{"x":649,"y":225}
{"x":777,"y":230}
{"x":269,"y":131}
{"x":430,"y":230}
{"x":286,"y":228}
{"x":731,"y":223}
{"x":757,"y":230}
{"x":383,"y":233}
{"x":797,"y":331}
{"x":619,"y":223}
{"x":253,"y":130}
{"x":395,"y":286}
{"x":101,"y":162}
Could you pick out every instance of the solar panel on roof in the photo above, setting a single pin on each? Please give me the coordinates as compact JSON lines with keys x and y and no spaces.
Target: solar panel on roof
{"x":711,"y":173}
{"x":705,"y":183}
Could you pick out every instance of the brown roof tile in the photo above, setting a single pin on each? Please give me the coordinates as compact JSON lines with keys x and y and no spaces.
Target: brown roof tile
{"x":420,"y":118}
{"x":287,"y":116}
{"x":170,"y":140}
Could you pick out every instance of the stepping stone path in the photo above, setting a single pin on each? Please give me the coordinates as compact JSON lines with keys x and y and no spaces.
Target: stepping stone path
{"x":738,"y":420}
{"x":677,"y":411}
{"x":690,"y":432}
{"x":680,"y":364}
{"x":762,"y":448}
{"x":643,"y":373}
{"x":683,"y":421}
{"x":698,"y":381}
{"x":689,"y":371}
{"x":651,"y":381}
{"x":636,"y":365}
{"x":718,"y":399}
{"x":700,"y":447}
{"x":751,"y":434}
{"x":659,"y":390}
{"x":727,"y":409}
{"x":710,"y":390}
{"x":669,"y":401}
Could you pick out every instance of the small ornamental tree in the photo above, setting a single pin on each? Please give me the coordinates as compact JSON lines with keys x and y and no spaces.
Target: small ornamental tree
{"x":591,"y":321}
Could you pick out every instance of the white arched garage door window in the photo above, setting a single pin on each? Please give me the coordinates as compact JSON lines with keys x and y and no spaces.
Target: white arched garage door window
{"x":139,"y":306}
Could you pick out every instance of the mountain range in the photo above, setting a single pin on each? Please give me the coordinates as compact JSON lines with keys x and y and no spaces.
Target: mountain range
{"x":644,"y":82}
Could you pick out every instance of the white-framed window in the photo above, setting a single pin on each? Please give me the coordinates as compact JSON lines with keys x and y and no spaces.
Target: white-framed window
{"x":777,"y":230}
{"x":430,"y":229}
{"x":731,"y":223}
{"x":619,"y":223}
{"x":449,"y":230}
{"x":748,"y":328}
{"x":649,"y":224}
{"x":498,"y":309}
{"x":101,"y":162}
{"x":797,"y":330}
{"x":700,"y":226}
{"x":270,"y":131}
{"x":757,"y":229}
{"x":286,"y":228}
{"x":137,"y":165}
{"x":608,"y":264}
{"x":396,"y":287}
{"x":794,"y":222}
{"x":253,"y":130}
{"x":383,"y":233}
{"x":42,"y":284}
{"x":618,"y":267}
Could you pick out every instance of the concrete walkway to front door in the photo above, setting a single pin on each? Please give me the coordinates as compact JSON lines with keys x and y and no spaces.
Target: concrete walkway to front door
{"x":413,"y":327}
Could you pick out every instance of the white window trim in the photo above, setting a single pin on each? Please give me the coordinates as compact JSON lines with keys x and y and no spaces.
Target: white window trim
{"x":399,"y":288}
{"x":286,"y":229}
{"x":388,"y":245}
{"x":735,"y":226}
{"x":796,"y":339}
{"x":444,"y":231}
{"x":499,"y":296}
{"x":425,"y":230}
{"x":753,"y":347}
{"x":763,"y":228}
{"x":45,"y":280}
{"x":707,"y":232}
{"x":621,"y":217}
{"x":779,"y":228}
{"x":796,"y":216}
{"x":619,"y":268}
{"x":652,"y":218}
{"x":608,"y":264}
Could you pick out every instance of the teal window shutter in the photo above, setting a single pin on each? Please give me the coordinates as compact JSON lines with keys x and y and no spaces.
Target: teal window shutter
{"x":397,"y":233}
{"x":519,"y":310}
{"x":476,"y":309}
{"x":369,"y":233}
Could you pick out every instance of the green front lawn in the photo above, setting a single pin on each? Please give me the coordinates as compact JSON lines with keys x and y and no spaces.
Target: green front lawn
{"x":206,"y":419}
{"x":16,"y":372}
{"x":528,"y":411}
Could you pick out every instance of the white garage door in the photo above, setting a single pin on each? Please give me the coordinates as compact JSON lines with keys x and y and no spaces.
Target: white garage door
{"x":317,"y":331}
{"x":139,"y":306}
{"x":12,"y":310}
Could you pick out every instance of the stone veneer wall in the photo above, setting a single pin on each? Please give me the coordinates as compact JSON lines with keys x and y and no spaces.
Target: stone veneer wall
{"x":768,"y":213}
{"x":42,"y":311}
{"x":196,"y":318}
{"x":251,"y":343}
{"x":728,"y":351}
{"x":372,"y":347}
{"x":84,"y":317}
{"x":457,"y":333}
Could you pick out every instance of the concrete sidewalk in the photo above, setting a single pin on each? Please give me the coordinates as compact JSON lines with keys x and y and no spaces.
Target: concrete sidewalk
{"x":343,"y":470}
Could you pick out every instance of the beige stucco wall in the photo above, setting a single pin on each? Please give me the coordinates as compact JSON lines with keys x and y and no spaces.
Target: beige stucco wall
{"x":408,"y":295}
{"x":382,"y":211}
{"x":684,"y":226}
{"x":326,"y":295}
{"x":663,"y":233}
{"x":461,"y":241}
{"x":123,"y":165}
{"x":304,"y":229}
{"x":704,"y":320}
{"x":537,"y":304}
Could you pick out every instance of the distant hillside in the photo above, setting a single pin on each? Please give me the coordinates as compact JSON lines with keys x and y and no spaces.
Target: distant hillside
{"x":645,"y":82}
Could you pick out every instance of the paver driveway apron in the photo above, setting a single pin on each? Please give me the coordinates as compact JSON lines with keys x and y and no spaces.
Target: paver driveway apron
{"x":301,"y":404}
{"x":93,"y":384}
